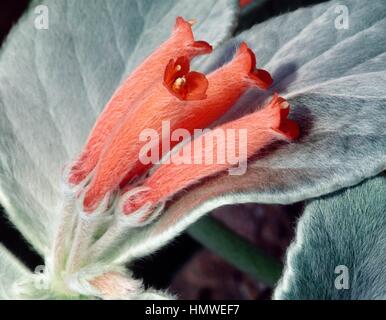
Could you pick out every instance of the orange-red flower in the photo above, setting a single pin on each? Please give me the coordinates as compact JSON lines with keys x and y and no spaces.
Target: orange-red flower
{"x":180,"y":43}
{"x":187,"y":102}
{"x":262,"y":127}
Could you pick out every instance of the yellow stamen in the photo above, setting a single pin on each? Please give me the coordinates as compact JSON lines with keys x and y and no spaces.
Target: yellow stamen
{"x":180,"y":82}
{"x":284,"y":105}
{"x":178,"y":67}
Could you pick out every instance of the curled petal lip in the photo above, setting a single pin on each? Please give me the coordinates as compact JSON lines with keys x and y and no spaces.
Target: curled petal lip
{"x":287,"y":127}
{"x":261,"y":77}
{"x":201,"y":46}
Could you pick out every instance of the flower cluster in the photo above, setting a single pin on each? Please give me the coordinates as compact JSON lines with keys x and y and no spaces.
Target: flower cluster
{"x":162,"y":89}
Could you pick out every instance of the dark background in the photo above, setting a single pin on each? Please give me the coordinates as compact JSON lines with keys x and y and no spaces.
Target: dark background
{"x":185,"y":266}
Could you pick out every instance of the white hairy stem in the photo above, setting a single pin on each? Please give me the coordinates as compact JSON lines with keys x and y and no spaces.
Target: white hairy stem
{"x":86,"y":228}
{"x":63,"y":236}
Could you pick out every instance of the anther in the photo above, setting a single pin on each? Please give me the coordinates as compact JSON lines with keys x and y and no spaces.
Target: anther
{"x":192,"y":22}
{"x":179,"y":83}
{"x":284,"y":105}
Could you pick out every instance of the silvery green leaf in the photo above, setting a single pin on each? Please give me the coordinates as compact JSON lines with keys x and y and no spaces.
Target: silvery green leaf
{"x":54,"y":83}
{"x":11,"y":271}
{"x":339,"y":248}
{"x":335,"y":81}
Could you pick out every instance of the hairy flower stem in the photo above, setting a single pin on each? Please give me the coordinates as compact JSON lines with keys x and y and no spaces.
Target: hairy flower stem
{"x":110,"y":238}
{"x":86,"y":229}
{"x":121,"y":226}
{"x":64,"y":233}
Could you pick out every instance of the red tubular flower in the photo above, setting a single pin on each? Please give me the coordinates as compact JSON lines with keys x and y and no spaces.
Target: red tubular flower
{"x":262,"y":127}
{"x":180,"y":43}
{"x":119,"y":159}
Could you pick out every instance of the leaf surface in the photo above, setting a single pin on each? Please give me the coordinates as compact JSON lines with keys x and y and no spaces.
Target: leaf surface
{"x":348,"y":229}
{"x":11,"y":270}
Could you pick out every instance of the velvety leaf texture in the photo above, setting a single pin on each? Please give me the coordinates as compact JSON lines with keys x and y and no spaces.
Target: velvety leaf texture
{"x":335,"y":81}
{"x":11,"y":270}
{"x":54,"y":83}
{"x":347,"y":229}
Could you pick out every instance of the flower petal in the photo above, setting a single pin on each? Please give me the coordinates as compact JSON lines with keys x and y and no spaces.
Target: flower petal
{"x":54,"y":83}
{"x":197,"y":84}
{"x":183,"y":83}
